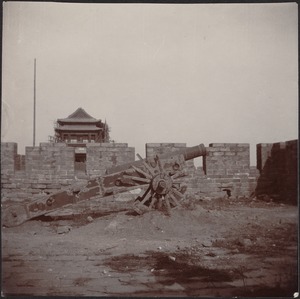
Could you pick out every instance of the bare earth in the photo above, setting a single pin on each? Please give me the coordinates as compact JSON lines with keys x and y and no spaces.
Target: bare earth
{"x":209,"y":248}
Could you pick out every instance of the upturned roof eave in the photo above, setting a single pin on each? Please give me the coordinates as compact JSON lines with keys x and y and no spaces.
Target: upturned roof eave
{"x":78,"y":120}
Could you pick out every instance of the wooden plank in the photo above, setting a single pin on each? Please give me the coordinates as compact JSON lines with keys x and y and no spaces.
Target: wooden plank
{"x":134,"y":178}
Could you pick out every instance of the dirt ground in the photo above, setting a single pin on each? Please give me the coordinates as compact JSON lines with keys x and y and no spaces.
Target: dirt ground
{"x":221,"y":247}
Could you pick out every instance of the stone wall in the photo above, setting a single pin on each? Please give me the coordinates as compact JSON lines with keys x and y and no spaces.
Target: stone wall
{"x":163,"y":148}
{"x":50,"y":161}
{"x":278,"y":167}
{"x":227,"y":159}
{"x":226,"y":168}
{"x":49,"y":167}
{"x":153,"y":149}
{"x":227,"y":172}
{"x":106,"y":155}
{"x":20,"y":162}
{"x":8,"y":157}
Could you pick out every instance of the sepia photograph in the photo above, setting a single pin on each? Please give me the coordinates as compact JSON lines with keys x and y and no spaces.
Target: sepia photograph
{"x":149,"y":149}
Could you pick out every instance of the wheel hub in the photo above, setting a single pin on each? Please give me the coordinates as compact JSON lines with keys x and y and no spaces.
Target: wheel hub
{"x":161,"y":184}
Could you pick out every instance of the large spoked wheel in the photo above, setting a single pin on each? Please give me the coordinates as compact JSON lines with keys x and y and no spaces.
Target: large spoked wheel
{"x":165,"y":191}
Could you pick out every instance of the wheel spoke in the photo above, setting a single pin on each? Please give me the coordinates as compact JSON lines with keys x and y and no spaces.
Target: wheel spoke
{"x":153,"y":201}
{"x":160,"y":203}
{"x":174,"y":199}
{"x":178,"y":174}
{"x":146,"y":175}
{"x":176,"y":192}
{"x":147,"y":196}
{"x":149,"y":169}
{"x":159,"y":165}
{"x":139,"y":156}
{"x":167,"y":204}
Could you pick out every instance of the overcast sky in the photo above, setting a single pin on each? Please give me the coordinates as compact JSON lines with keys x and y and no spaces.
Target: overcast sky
{"x":192,"y":73}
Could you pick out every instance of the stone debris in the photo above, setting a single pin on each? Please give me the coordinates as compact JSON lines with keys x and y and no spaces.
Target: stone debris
{"x":247,"y":242}
{"x":63,"y":229}
{"x":90,"y":219}
{"x":207,"y":244}
{"x":112,"y":225}
{"x":175,"y":287}
{"x":172,"y":258}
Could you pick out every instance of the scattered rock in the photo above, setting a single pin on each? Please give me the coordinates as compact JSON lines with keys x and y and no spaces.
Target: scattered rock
{"x":247,"y":242}
{"x":172,"y":258}
{"x":211,"y":254}
{"x":175,"y":287}
{"x":90,"y":219}
{"x":207,"y":244}
{"x":206,"y":198}
{"x":63,"y":229}
{"x":112,"y":225}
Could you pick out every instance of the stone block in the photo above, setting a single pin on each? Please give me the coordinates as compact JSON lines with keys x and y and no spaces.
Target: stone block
{"x":38,"y":186}
{"x":9,"y":186}
{"x":217,"y":145}
{"x":218,"y":153}
{"x":230,"y":153}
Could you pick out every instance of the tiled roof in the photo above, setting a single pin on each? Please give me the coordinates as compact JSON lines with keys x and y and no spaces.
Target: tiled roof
{"x":77,"y":128}
{"x":80,"y":115}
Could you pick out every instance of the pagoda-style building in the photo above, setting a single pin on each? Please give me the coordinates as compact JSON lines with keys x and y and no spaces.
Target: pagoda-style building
{"x":80,"y":128}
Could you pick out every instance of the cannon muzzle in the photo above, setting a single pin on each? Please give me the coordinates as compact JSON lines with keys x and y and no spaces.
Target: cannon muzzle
{"x":194,"y":152}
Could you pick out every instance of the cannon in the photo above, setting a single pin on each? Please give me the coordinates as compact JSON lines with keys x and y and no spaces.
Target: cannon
{"x":159,"y":177}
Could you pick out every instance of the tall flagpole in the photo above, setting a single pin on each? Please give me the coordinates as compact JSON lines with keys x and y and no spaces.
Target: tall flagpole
{"x":34,"y":101}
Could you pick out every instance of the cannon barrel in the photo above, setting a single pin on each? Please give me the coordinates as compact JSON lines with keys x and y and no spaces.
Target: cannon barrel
{"x":188,"y":153}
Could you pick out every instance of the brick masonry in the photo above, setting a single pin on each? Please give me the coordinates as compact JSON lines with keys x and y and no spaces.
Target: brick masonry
{"x":153,"y":149}
{"x":227,"y":159}
{"x":106,"y":155}
{"x":8,"y":157}
{"x":50,"y":167}
{"x":50,"y":161}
